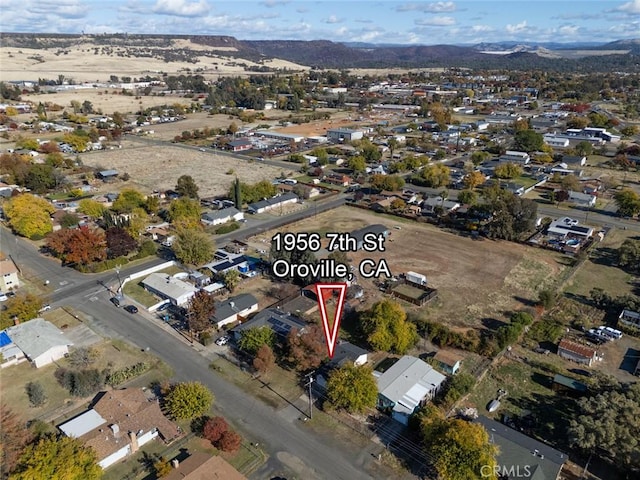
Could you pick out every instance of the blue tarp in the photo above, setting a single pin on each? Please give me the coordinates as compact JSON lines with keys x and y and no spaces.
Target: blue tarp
{"x":4,"y":339}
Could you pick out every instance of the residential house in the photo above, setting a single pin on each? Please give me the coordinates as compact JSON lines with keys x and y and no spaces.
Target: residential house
{"x":218,"y":217}
{"x":565,"y":226}
{"x":273,"y":202}
{"x":231,"y":261}
{"x":345,"y":353}
{"x":6,"y":190}
{"x":40,"y":341}
{"x":431,"y":205}
{"x":240,"y":145}
{"x":512,"y":156}
{"x":448,"y":361}
{"x":337,"y":179}
{"x":279,"y":321}
{"x":520,"y":456}
{"x":8,"y":275}
{"x":554,"y":141}
{"x":376,"y":230}
{"x":576,"y":352}
{"x":344,"y":134}
{"x":582,"y":199}
{"x":201,"y":466}
{"x":178,"y":292}
{"x":407,"y":385}
{"x":629,"y":318}
{"x":574,"y":160}
{"x":119,"y":423}
{"x":563,"y":170}
{"x":233,"y":309}
{"x":10,"y":354}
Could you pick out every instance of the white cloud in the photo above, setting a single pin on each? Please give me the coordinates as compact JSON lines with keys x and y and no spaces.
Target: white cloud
{"x":434,"y":7}
{"x":439,"y":7}
{"x":333,"y":19}
{"x":517,"y":28}
{"x":274,"y":3}
{"x":568,"y":30}
{"x":436,"y":21}
{"x":632,"y":7}
{"x":481,"y":28}
{"x":61,"y":8}
{"x":181,"y":8}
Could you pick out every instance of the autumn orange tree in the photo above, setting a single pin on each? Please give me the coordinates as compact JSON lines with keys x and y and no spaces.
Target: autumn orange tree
{"x":13,"y":438}
{"x":264,"y":360}
{"x":201,"y":309}
{"x":81,"y":245}
{"x":306,"y":351}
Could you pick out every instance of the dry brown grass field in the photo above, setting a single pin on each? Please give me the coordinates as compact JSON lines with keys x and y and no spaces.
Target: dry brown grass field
{"x":158,"y":168}
{"x":476,"y":279}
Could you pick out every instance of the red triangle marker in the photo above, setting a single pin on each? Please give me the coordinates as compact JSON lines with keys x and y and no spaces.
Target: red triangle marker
{"x":324,"y":291}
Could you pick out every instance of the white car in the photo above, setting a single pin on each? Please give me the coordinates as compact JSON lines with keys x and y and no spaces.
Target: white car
{"x":222,"y":341}
{"x":45,"y":308}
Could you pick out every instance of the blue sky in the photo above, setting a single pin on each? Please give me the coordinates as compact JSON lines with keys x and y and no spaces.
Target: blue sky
{"x":402,"y":22}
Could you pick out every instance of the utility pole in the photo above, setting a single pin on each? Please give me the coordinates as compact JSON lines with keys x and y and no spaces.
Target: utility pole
{"x":119,"y":292}
{"x":309,"y":383}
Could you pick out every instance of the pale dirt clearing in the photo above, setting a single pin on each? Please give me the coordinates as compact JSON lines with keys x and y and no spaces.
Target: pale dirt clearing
{"x":158,"y":167}
{"x":476,"y":279}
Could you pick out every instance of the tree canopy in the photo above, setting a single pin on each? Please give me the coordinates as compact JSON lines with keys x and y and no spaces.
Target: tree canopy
{"x":58,"y":458}
{"x":629,"y":254}
{"x":193,"y":247}
{"x":24,"y":306}
{"x":29,"y":216}
{"x":80,"y":245}
{"x":185,"y":213}
{"x":387,"y":329}
{"x":628,"y":202}
{"x":512,"y":216}
{"x":186,"y":187}
{"x":253,"y":338}
{"x":307,"y":350}
{"x":188,"y":400}
{"x":128,"y":200}
{"x":610,"y":421}
{"x":436,"y":175}
{"x":13,"y":437}
{"x":352,"y":388}
{"x":528,"y":141}
{"x":201,"y":309}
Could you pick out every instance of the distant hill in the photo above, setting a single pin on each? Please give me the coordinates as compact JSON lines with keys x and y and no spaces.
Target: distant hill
{"x":581,"y":57}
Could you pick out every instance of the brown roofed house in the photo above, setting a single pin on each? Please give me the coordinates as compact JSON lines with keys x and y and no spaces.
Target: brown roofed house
{"x":120,"y":422}
{"x":576,"y":352}
{"x":200,"y":466}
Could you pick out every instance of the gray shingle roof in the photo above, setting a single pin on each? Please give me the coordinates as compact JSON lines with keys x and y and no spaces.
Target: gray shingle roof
{"x":36,"y":337}
{"x":233,"y":305}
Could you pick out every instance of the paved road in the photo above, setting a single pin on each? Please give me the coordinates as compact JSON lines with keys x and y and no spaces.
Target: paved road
{"x":291,"y":446}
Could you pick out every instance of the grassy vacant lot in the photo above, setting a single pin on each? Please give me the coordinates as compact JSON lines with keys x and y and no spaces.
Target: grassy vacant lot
{"x":476,"y":279}
{"x":114,"y":354}
{"x":600,"y":269}
{"x":143,"y":161}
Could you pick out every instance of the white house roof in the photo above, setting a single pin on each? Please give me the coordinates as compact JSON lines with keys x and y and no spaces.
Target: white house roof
{"x":408,"y":382}
{"x":220,"y":214}
{"x":36,"y":337}
{"x":82,"y":424}
{"x":168,"y":286}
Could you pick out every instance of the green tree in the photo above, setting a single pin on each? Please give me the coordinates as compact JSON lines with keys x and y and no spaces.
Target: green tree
{"x":91,"y":208}
{"x":584,"y":148}
{"x":387,"y":329}
{"x":352,"y":388}
{"x":436,"y":175}
{"x":23,"y":306}
{"x":152,"y":205}
{"x":508,"y":170}
{"x":468,"y":197}
{"x":358,"y":164}
{"x":609,"y":421}
{"x":628,"y":202}
{"x":387,"y":182}
{"x":252,"y":339}
{"x":58,"y":458}
{"x":29,"y":216}
{"x":629,"y":255}
{"x":185,"y":213}
{"x":570,"y":183}
{"x":41,"y":178}
{"x":474,"y":179}
{"x":461,"y":449}
{"x":513,"y":216}
{"x":193,"y":247}
{"x":188,"y":400}
{"x":186,"y":187}
{"x":528,"y":141}
{"x":128,"y":200}
{"x":35,"y":393}
{"x":231,"y":279}
{"x":480,"y":156}
{"x":457,"y":387}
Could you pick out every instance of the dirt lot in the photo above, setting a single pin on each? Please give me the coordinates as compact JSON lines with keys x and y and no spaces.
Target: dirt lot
{"x":476,"y":279}
{"x":158,"y":168}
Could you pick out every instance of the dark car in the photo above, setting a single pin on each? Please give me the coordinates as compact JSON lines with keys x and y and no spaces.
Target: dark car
{"x":131,"y":309}
{"x":115,"y":301}
{"x":163,"y":307}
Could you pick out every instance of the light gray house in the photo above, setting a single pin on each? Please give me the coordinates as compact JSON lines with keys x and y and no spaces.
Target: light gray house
{"x":344,"y":134}
{"x":280,"y":322}
{"x":273,"y":202}
{"x":629,"y":318}
{"x":406,"y":385}
{"x":582,"y":199}
{"x":169,"y":288}
{"x":218,"y":217}
{"x":233,"y":309}
{"x":40,"y":341}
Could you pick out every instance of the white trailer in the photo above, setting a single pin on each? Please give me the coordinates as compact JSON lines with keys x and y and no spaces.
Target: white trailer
{"x":414,"y":277}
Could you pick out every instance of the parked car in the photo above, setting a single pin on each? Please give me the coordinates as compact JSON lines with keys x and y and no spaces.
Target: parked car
{"x":163,"y":307}
{"x":45,"y":308}
{"x":131,"y":308}
{"x":115,"y":301}
{"x":223,"y":340}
